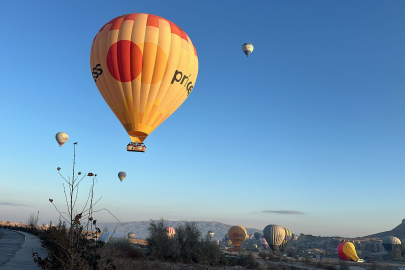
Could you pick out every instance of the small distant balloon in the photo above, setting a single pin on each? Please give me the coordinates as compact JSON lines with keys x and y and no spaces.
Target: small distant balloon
{"x":122,"y":175}
{"x":257,"y":235}
{"x":217,"y":242}
{"x":247,"y":48}
{"x":211,"y":233}
{"x":288,"y":237}
{"x":263,"y":242}
{"x":61,"y":138}
{"x":237,"y":234}
{"x":170,"y":232}
{"x":390,"y":242}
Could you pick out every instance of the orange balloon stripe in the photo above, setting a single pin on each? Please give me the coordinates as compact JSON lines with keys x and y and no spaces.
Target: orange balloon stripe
{"x":101,"y":81}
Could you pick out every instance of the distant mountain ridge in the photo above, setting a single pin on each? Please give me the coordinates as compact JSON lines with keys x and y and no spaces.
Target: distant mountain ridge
{"x":140,"y":228}
{"x":398,"y":231}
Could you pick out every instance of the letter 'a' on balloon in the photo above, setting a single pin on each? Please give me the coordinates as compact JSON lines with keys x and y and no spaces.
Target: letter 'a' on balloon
{"x":61,"y":138}
{"x":237,"y":234}
{"x":145,"y":67}
{"x":247,"y":48}
{"x":122,"y":175}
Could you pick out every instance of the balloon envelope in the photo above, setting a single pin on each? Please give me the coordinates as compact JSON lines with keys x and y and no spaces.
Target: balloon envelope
{"x":131,"y":235}
{"x":237,"y":234}
{"x":144,"y":67}
{"x":107,"y":236}
{"x":122,"y":175}
{"x":211,"y":233}
{"x":274,"y":236}
{"x":61,"y":138}
{"x":257,"y":235}
{"x":247,"y":48}
{"x":346,"y":252}
{"x":170,"y":232}
{"x":389,"y":242}
{"x":263,"y":242}
{"x":288,"y":237}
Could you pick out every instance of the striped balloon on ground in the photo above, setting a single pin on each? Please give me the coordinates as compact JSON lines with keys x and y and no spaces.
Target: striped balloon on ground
{"x":144,"y":67}
{"x":347,"y":252}
{"x":274,"y":236}
{"x":390,"y":243}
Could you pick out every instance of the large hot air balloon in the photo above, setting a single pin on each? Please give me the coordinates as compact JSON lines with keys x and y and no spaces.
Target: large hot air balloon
{"x":263,"y":242}
{"x":170,"y":232}
{"x":61,"y":138}
{"x":288,"y":237}
{"x":390,"y":242}
{"x":247,"y":48}
{"x":237,"y":234}
{"x":257,"y":235}
{"x":347,"y":252}
{"x":122,"y":175}
{"x":145,"y":67}
{"x":211,"y":234}
{"x":274,"y":236}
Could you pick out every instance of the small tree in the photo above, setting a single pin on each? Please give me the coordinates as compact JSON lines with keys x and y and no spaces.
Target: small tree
{"x":72,"y":243}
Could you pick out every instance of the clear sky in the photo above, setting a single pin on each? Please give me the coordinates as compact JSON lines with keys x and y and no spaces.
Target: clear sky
{"x":312,"y":121}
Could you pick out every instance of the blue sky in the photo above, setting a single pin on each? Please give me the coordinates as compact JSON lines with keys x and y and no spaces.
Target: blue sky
{"x":312,"y":121}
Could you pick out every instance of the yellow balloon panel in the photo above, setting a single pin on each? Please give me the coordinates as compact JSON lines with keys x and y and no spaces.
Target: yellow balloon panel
{"x":144,"y":67}
{"x":237,"y":234}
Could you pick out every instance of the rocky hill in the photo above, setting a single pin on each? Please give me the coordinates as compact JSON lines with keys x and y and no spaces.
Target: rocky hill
{"x":140,"y":228}
{"x":398,"y":231}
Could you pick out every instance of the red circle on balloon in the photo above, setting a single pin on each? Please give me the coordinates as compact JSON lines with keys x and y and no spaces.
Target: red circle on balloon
{"x":124,"y":60}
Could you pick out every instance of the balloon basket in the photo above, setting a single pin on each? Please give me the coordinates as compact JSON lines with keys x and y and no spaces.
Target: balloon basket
{"x":136,"y":148}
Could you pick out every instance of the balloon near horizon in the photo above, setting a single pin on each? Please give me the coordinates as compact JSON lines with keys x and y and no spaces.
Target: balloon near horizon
{"x":347,"y":252}
{"x":145,"y":67}
{"x":274,"y":236}
{"x":237,"y":234}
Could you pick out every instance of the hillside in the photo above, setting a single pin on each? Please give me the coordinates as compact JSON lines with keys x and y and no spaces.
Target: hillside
{"x":398,"y":231}
{"x":140,"y":228}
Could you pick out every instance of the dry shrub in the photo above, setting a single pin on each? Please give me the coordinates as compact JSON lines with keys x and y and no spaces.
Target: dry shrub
{"x":125,"y":246}
{"x":262,"y":254}
{"x":162,"y":247}
{"x":248,"y":261}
